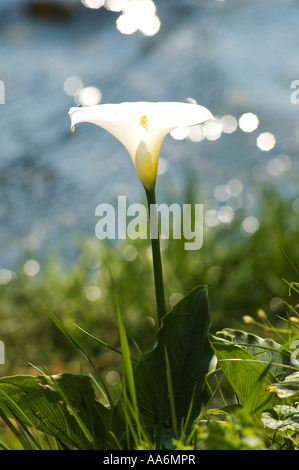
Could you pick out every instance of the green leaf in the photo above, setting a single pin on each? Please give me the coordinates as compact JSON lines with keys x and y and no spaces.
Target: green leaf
{"x":289,"y":388}
{"x":237,"y":430}
{"x":282,"y":418}
{"x":183,"y":334}
{"x":63,"y":406}
{"x":265,"y":350}
{"x":246,"y":374}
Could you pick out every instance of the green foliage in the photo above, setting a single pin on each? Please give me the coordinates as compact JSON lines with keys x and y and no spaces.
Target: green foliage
{"x":239,"y":431}
{"x":164,"y":399}
{"x":63,"y":406}
{"x":289,"y":388}
{"x":189,"y":357}
{"x":255,"y":367}
{"x":282,"y":418}
{"x":250,"y":364}
{"x":243,"y":273}
{"x":246,"y":374}
{"x":170,"y":394}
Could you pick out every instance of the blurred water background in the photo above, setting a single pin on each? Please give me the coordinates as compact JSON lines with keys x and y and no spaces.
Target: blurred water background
{"x":235,"y":57}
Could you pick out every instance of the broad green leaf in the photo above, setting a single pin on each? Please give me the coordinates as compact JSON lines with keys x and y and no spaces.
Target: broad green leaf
{"x":63,"y":406}
{"x":247,"y":376}
{"x":289,"y":388}
{"x":281,"y":418}
{"x":183,"y":334}
{"x":265,"y":350}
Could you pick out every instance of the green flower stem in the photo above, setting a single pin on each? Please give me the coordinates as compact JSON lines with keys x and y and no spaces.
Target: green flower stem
{"x":157,"y":264}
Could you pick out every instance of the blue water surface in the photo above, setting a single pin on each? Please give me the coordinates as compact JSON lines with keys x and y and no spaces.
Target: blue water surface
{"x":232,"y":56}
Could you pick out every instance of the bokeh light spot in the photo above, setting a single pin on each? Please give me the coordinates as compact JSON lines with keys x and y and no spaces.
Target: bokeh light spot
{"x":179,"y":133}
{"x":276,"y":304}
{"x":248,"y":122}
{"x":235,"y":202}
{"x":196,"y":133}
{"x":221,"y":192}
{"x":229,"y":124}
{"x":139,"y":15}
{"x":213,"y":130}
{"x":250,"y":225}
{"x":130,"y":253}
{"x":89,"y":96}
{"x":226,"y":214}
{"x":31,"y":267}
{"x":266,"y":141}
{"x":278,"y":165}
{"x":72,"y":85}
{"x":162,"y":166}
{"x":115,"y":5}
{"x":92,"y":293}
{"x":235,"y":187}
{"x":211,"y":218}
{"x":175,"y":298}
{"x":93,"y":3}
{"x":112,"y":377}
{"x":5,"y":276}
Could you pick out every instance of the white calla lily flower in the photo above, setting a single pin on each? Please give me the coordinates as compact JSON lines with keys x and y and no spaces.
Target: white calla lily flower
{"x":141,"y":128}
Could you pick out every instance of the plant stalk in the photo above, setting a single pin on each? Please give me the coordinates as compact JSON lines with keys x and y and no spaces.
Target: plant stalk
{"x":156,"y":251}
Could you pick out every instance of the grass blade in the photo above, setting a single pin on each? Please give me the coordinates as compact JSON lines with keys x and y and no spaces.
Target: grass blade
{"x":128,"y":375}
{"x":69,"y":336}
{"x":106,"y":345}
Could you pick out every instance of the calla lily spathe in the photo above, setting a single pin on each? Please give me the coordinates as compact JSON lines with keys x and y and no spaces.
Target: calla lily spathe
{"x":141,"y":128}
